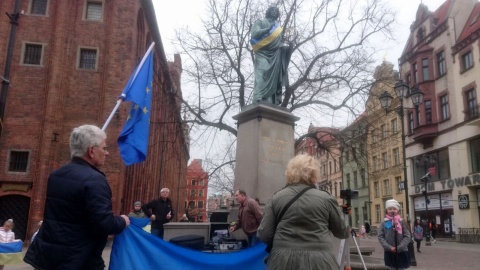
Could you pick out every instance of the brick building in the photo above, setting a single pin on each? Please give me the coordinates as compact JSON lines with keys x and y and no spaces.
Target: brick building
{"x":68,"y":63}
{"x":196,"y":190}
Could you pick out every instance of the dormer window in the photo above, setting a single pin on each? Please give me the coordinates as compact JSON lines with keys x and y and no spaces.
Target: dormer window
{"x":420,"y":34}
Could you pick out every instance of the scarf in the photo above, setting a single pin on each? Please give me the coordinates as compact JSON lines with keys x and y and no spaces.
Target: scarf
{"x":396,"y":219}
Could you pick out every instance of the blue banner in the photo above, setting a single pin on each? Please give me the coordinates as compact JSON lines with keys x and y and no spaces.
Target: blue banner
{"x":136,"y":249}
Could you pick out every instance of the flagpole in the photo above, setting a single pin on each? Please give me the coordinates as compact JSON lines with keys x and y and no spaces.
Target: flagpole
{"x":119,"y":101}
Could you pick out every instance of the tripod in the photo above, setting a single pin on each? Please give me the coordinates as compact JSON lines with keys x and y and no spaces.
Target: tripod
{"x":344,"y":251}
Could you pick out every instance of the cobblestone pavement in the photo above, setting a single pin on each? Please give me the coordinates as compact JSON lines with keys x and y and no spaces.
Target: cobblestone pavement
{"x":443,"y":255}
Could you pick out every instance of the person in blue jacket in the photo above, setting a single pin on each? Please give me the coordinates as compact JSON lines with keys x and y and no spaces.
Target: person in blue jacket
{"x":78,"y":215}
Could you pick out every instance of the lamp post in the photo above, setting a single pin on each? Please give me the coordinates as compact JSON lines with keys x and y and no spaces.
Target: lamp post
{"x":427,"y":160}
{"x":402,"y":92}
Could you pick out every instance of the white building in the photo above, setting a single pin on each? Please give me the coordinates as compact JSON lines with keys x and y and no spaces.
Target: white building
{"x":442,"y":59}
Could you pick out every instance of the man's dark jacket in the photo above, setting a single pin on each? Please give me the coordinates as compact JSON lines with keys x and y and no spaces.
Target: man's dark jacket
{"x":160,"y":209}
{"x":77,"y":220}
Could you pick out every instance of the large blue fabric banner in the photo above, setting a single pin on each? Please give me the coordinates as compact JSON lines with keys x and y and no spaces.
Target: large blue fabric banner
{"x":136,"y":249}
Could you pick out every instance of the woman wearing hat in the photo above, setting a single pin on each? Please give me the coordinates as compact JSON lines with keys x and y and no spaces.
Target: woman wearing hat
{"x":394,"y":237}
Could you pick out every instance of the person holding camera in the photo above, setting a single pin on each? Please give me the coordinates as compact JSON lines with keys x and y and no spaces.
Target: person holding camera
{"x":394,"y":236}
{"x":301,"y":238}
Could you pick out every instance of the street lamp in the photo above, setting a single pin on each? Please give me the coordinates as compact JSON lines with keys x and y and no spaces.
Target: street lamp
{"x":427,"y":201}
{"x":402,"y":91}
{"x":427,"y":160}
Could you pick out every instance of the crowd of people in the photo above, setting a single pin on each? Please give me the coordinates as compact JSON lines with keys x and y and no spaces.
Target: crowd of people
{"x":295,"y":224}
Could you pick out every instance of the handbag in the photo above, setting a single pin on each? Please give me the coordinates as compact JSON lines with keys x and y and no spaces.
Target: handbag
{"x":279,"y":218}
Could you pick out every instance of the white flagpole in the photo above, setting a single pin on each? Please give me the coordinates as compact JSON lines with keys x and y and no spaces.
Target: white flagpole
{"x":119,"y":101}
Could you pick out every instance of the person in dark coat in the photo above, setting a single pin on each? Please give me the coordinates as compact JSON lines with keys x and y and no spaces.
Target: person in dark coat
{"x":78,"y":215}
{"x":160,"y":211}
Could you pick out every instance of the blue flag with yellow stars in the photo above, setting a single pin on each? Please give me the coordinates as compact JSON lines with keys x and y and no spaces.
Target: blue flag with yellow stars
{"x":133,"y":140}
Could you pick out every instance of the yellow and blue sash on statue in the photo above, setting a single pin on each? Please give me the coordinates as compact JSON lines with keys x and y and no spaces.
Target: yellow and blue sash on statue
{"x":257,"y":44}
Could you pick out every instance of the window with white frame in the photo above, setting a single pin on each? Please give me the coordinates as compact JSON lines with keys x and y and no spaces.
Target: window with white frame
{"x":467,"y":60}
{"x":378,"y":213}
{"x":384,"y":131}
{"x":375,"y":163}
{"x":376,"y":189}
{"x":18,"y":161}
{"x":410,"y":122}
{"x":200,"y":192}
{"x":441,"y":63}
{"x":428,"y":111}
{"x":387,"y":189}
{"x":94,"y":10}
{"x":200,"y":204}
{"x":425,"y":71}
{"x":445,"y":113}
{"x":38,"y":7}
{"x":394,"y":125}
{"x":398,"y":179}
{"x":384,"y":160}
{"x":396,"y":156}
{"x":471,"y":110}
{"x":88,"y":59}
{"x":32,"y":54}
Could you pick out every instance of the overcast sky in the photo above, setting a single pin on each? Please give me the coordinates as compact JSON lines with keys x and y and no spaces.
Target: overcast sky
{"x":175,"y":14}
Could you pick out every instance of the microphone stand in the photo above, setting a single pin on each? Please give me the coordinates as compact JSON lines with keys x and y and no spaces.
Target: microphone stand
{"x":396,"y":241}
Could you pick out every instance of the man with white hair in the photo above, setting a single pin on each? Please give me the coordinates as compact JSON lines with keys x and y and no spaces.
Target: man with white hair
{"x":78,"y":214}
{"x":160,"y":212}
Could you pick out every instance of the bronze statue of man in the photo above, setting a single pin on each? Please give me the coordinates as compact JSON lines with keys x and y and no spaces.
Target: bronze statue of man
{"x":271,"y":58}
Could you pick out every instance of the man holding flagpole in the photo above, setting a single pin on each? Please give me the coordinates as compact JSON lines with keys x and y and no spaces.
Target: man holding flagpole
{"x":78,"y":213}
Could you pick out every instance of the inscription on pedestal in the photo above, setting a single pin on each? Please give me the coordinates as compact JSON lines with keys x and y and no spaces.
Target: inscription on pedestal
{"x":276,"y":150}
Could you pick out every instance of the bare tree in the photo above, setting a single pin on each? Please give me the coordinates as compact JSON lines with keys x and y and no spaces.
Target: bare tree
{"x":333,"y":43}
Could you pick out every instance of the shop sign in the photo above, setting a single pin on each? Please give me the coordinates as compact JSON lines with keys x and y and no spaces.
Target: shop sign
{"x":450,"y":183}
{"x":463,"y":201}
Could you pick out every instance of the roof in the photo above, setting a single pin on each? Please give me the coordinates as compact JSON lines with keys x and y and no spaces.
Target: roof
{"x":436,"y":19}
{"x":473,"y":23}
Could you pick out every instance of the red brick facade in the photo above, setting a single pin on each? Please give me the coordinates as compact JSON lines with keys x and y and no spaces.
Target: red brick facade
{"x":46,"y":101}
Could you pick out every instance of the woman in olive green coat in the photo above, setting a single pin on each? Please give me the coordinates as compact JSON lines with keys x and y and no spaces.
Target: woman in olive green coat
{"x":302,"y":239}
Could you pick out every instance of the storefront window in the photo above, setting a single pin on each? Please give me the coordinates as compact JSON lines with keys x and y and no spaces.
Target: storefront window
{"x":475,"y":154}
{"x":437,"y":163}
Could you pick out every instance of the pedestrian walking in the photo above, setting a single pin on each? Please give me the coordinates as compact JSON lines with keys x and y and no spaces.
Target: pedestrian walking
{"x":249,"y":217}
{"x":394,"y":237}
{"x":433,"y":230}
{"x":363,"y":231}
{"x":418,"y":234}
{"x":367,"y":228}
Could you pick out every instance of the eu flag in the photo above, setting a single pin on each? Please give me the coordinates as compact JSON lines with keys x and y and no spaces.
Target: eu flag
{"x":133,"y":140}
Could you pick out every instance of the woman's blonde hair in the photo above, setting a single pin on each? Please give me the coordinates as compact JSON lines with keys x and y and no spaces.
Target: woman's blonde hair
{"x":302,"y":169}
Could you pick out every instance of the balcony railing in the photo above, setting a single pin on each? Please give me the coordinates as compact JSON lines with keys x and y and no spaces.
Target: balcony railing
{"x":469,"y":235}
{"x":472,"y":112}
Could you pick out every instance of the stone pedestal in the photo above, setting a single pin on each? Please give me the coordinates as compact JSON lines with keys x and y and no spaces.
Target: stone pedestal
{"x":265,"y":144}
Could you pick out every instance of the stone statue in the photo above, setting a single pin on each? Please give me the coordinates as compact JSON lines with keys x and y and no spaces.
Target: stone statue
{"x":271,"y":58}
